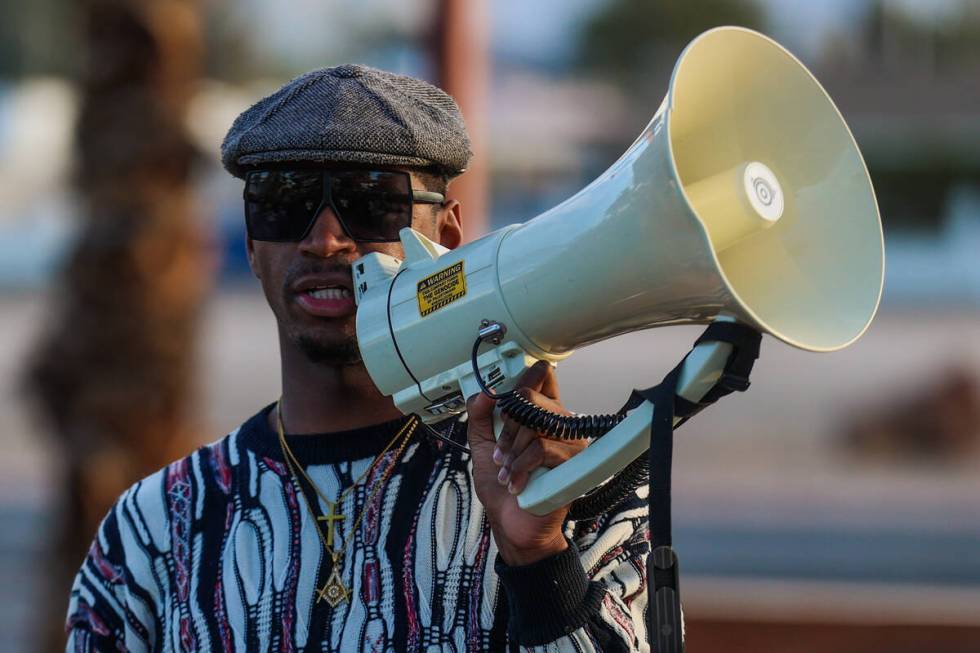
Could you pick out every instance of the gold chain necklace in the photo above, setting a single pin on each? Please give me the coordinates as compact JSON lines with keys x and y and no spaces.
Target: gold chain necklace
{"x":334,"y":592}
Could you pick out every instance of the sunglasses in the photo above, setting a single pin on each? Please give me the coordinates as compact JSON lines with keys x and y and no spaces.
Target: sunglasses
{"x":372,"y":206}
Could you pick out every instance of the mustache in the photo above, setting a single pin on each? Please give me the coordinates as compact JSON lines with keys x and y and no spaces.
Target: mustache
{"x":303,"y":268}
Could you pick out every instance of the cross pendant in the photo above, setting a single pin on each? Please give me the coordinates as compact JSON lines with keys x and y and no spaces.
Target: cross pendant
{"x":330,"y":518}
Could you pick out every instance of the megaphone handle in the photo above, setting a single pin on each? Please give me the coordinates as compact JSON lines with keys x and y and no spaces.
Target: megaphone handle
{"x":549,"y":490}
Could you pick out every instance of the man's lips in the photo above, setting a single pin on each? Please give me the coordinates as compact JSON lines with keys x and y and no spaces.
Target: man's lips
{"x":326,"y":296}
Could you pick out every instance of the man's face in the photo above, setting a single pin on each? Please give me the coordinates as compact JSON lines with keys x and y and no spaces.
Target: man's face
{"x":309,"y":285}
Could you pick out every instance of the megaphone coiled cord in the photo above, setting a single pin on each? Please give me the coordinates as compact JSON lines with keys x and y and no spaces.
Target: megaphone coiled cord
{"x":526,"y":413}
{"x":564,"y":427}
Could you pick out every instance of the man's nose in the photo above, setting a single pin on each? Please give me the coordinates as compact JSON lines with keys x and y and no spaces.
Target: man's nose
{"x":326,"y":237}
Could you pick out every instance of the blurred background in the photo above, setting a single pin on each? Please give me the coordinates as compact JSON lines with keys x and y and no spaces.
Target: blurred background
{"x":834,"y":506}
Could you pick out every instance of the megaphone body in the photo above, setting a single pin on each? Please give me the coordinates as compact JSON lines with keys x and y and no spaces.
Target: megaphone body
{"x":745,"y":198}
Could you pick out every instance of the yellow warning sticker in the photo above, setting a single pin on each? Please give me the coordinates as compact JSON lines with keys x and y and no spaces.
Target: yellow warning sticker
{"x":441,"y":289}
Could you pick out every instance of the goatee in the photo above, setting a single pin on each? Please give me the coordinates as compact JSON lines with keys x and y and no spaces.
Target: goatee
{"x":334,"y":353}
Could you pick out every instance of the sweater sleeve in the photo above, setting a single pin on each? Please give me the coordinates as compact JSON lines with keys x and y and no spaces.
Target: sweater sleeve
{"x":590,"y":597}
{"x":112,"y":602}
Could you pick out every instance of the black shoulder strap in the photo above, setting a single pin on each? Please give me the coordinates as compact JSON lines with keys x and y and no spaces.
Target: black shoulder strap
{"x":664,"y":624}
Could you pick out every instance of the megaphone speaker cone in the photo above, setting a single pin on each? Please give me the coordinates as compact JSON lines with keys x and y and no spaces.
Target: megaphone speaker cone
{"x":814,"y":277}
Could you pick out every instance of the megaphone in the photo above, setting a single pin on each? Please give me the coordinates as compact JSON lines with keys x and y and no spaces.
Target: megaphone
{"x":745,"y":198}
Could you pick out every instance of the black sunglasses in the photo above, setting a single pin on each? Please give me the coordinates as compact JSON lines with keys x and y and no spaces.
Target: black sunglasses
{"x":371,"y":205}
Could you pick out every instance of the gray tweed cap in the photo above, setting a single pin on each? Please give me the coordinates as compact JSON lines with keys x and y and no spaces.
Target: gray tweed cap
{"x":351,"y":114}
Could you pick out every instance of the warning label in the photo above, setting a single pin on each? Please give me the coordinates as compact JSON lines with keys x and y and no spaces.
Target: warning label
{"x":442,"y":288}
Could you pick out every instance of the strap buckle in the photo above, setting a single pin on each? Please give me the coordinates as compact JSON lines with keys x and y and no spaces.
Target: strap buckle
{"x":733,"y":382}
{"x":668,"y":632}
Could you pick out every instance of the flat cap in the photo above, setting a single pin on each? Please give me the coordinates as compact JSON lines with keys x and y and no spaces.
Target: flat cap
{"x":352,"y":114}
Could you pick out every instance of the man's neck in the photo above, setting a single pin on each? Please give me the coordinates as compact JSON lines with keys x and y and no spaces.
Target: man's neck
{"x":323,"y":398}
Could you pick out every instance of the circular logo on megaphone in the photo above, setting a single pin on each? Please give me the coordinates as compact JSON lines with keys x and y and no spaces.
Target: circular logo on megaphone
{"x":763,"y":191}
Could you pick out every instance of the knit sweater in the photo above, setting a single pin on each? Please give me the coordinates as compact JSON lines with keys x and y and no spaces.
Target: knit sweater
{"x":219,"y":552}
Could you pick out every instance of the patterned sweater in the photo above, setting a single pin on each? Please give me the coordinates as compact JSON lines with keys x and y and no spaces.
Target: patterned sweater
{"x":219,"y":552}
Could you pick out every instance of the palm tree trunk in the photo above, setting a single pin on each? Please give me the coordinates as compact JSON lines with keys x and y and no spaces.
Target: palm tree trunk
{"x":113,"y":374}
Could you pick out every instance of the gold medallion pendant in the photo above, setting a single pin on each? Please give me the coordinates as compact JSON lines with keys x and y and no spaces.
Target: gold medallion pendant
{"x":334,"y":592}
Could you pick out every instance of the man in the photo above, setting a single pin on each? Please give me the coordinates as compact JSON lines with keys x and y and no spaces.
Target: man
{"x":329,"y":521}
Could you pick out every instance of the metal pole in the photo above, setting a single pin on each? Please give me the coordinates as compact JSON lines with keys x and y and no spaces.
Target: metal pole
{"x":463,"y":63}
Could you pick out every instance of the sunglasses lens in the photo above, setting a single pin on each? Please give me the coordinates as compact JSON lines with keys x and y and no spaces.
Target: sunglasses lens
{"x":373,"y":205}
{"x":281,"y":204}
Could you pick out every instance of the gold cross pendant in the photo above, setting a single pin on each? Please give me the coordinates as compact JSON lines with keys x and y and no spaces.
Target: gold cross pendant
{"x":330,"y":518}
{"x":334,"y":592}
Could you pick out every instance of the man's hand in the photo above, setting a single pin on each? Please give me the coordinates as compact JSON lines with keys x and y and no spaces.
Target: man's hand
{"x":501,"y":470}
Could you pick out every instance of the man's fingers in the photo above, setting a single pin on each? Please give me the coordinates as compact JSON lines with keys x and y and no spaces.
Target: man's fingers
{"x":507,"y":434}
{"x":525,"y":435}
{"x":531,"y":450}
{"x":508,"y":440}
{"x":541,"y":453}
{"x":549,"y":385}
{"x":542,"y":400}
{"x":538,"y":385}
{"x":545,"y":453}
{"x":534,"y":377}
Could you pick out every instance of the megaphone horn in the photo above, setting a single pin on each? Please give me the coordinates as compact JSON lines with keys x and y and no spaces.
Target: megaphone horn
{"x":745,"y":198}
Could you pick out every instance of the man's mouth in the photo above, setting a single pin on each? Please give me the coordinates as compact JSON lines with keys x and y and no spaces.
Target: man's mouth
{"x":332,"y":292}
{"x":326,"y":299}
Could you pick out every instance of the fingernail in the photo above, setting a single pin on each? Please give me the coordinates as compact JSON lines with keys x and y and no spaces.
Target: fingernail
{"x":498,"y":456}
{"x":503,"y":476}
{"x":511,"y":488}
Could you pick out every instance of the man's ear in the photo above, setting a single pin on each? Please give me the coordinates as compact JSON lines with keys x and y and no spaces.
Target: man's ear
{"x":250,"y":253}
{"x":449,"y":225}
